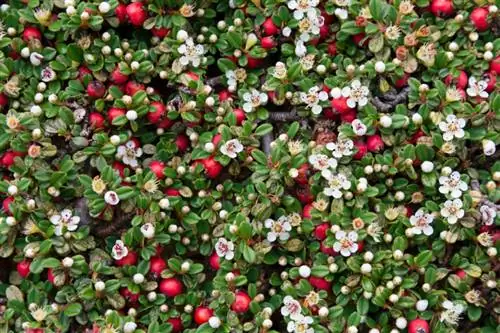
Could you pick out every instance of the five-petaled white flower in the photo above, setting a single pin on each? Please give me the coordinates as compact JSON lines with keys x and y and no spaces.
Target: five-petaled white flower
{"x":128,"y":153}
{"x":343,"y":147}
{"x":231,"y":148}
{"x":302,"y":7}
{"x":336,"y":183}
{"x":48,"y":74}
{"x":231,"y":79}
{"x":310,"y":25}
{"x":346,"y":242}
{"x":279,"y":228}
{"x":322,"y":162}
{"x":111,"y":198}
{"x":488,"y":214}
{"x":64,"y":220}
{"x":253,"y":100}
{"x":452,"y":210}
{"x":191,"y":53}
{"x":148,"y":230}
{"x":300,"y":325}
{"x":291,"y":307}
{"x":452,"y":312}
{"x":421,"y":223}
{"x":224,"y":248}
{"x":453,"y":127}
{"x":341,"y":13}
{"x":358,"y":127}
{"x":477,"y":88}
{"x":452,"y":185}
{"x":119,"y":250}
{"x":280,"y":71}
{"x":312,"y":98}
{"x":356,"y":94}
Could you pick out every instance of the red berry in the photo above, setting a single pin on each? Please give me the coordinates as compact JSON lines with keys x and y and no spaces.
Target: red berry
{"x":495,"y":65}
{"x":165,"y":123}
{"x":6,"y":204}
{"x":358,"y":38}
{"x":50,"y":275}
{"x":176,"y":323}
{"x":479,"y":18}
{"x":327,"y":249}
{"x":182,"y":142}
{"x":82,"y":71}
{"x":171,"y":287}
{"x":117,"y":166}
{"x":267,"y":42}
{"x":160,"y":32}
{"x":132,"y":87}
{"x":459,"y":82}
{"x":118,"y":77}
{"x":129,"y":260}
{"x":157,"y":265}
{"x":320,"y":283}
{"x":172,"y":192}
{"x":304,"y":194}
{"x":96,"y":120}
{"x":130,"y":296}
{"x":202,"y":314}
{"x":362,"y":150}
{"x":324,"y":31}
{"x":340,"y":104}
{"x":159,"y":111}
{"x":3,"y":100}
{"x":96,"y":89}
{"x":374,"y":143}
{"x":193,"y":76}
{"x":137,"y":13}
{"x":158,"y":168}
{"x":491,"y":78}
{"x":212,"y":167}
{"x":253,"y":63}
{"x":115,"y":112}
{"x":241,"y":302}
{"x":418,"y":326}
{"x":306,"y":212}
{"x":7,"y":159}
{"x":348,"y":116}
{"x":442,"y":8}
{"x":216,"y":139}
{"x":320,"y":231}
{"x":121,"y":12}
{"x":214,"y":261}
{"x":332,"y":48}
{"x":461,"y":273}
{"x":402,"y":82}
{"x":224,"y":95}
{"x":302,"y":177}
{"x":269,"y":27}
{"x":30,"y":33}
{"x":240,"y":116}
{"x":23,"y":268}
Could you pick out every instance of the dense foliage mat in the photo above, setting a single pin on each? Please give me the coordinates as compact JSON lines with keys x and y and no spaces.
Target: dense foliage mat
{"x":298,"y":166}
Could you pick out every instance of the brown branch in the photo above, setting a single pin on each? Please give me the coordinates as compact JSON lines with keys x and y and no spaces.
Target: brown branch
{"x":389,"y":100}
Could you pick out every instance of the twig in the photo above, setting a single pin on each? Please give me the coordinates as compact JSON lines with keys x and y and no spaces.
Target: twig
{"x":215,"y":81}
{"x":389,"y":100}
{"x":266,"y":143}
{"x":284,"y":116}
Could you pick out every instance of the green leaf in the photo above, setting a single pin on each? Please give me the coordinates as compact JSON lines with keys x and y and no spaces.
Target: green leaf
{"x":423,"y":259}
{"x":225,"y":64}
{"x":263,"y":129}
{"x":73,"y":309}
{"x":248,"y":254}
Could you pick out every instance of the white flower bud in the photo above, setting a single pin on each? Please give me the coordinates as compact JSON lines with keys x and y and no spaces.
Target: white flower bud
{"x":398,"y":254}
{"x":115,"y":140}
{"x":333,"y":268}
{"x":12,"y":189}
{"x":489,"y":147}
{"x":446,"y":171}
{"x":379,"y":67}
{"x":492,"y":9}
{"x":25,"y":52}
{"x":427,"y":166}
{"x":368,"y":256}
{"x":473,"y":36}
{"x":453,"y":47}
{"x":304,"y":271}
{"x":214,"y":322}
{"x":293,"y":172}
{"x":104,"y":7}
{"x":38,"y":98}
{"x":492,"y":252}
{"x":10,"y":221}
{"x":182,"y":35}
{"x":129,"y":327}
{"x":100,"y":286}
{"x":401,"y":323}
{"x":399,"y":196}
{"x":393,"y":298}
{"x":138,"y":278}
{"x":417,"y":119}
{"x":267,"y":323}
{"x":421,"y":305}
{"x":426,"y":287}
{"x":152,"y":296}
{"x":385,"y":121}
{"x":488,"y":55}
{"x":185,"y":267}
{"x":352,"y":329}
{"x":164,"y":203}
{"x":366,"y":268}
{"x":67,"y":262}
{"x":172,"y":228}
{"x":118,"y":52}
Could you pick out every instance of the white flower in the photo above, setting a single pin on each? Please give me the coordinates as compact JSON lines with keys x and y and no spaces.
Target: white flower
{"x":312,"y":98}
{"x":191,"y":53}
{"x":356,"y":94}
{"x":346,"y":243}
{"x":224,"y":248}
{"x":129,"y":327}
{"x":477,"y":88}
{"x":421,"y":223}
{"x":452,"y":312}
{"x":64,"y":220}
{"x":36,"y":58}
{"x":119,"y":250}
{"x":427,"y":166}
{"x":452,"y":185}
{"x":336,"y":182}
{"x":302,"y":7}
{"x":310,"y":25}
{"x":47,"y":74}
{"x":280,"y":71}
{"x":231,"y":148}
{"x":358,"y":127}
{"x":279,"y":229}
{"x":341,"y":13}
{"x":453,"y":127}
{"x":300,"y":48}
{"x":38,"y":313}
{"x":253,"y":100}
{"x":128,"y":153}
{"x":343,"y":3}
{"x":322,"y":162}
{"x":214,"y":322}
{"x":452,"y":210}
{"x":489,"y":147}
{"x":300,"y":325}
{"x":148,"y":230}
{"x":488,"y":214}
{"x":343,"y":147}
{"x":111,"y":198}
{"x":231,"y":79}
{"x":304,"y":271}
{"x":291,"y":308}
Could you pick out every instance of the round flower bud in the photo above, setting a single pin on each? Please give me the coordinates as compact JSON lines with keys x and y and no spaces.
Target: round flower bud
{"x":164,"y":203}
{"x":135,"y":65}
{"x":38,"y":98}
{"x":491,"y":284}
{"x":399,"y":196}
{"x":423,"y":88}
{"x":386,"y":121}
{"x":12,"y":189}
{"x":453,"y":47}
{"x":426,"y":287}
{"x":164,"y":308}
{"x":368,"y":256}
{"x":115,"y":140}
{"x":36,"y":110}
{"x":182,"y":35}
{"x":67,"y":262}
{"x":366,"y":268}
{"x":492,"y":9}
{"x":282,"y":261}
{"x":118,"y":52}
{"x":379,"y":67}
{"x":151,"y":296}
{"x":138,"y":278}
{"x":401,"y":323}
{"x":449,"y":55}
{"x":267,"y":323}
{"x":398,"y":254}
{"x":172,"y":228}
{"x":488,"y":55}
{"x":210,"y":101}
{"x":496,"y":176}
{"x":492,"y":252}
{"x":473,"y":36}
{"x":421,"y":305}
{"x":214,"y":322}
{"x":390,"y":285}
{"x":10,"y":221}
{"x":417,"y":119}
{"x":368,"y":170}
{"x":293,"y":173}
{"x":99,"y":286}
{"x":11,"y":31}
{"x":223,"y":214}
{"x":129,"y":327}
{"x":304,"y":271}
{"x":31,"y":204}
{"x":132,"y":312}
{"x":352,"y":329}
{"x":427,"y":166}
{"x":345,"y":290}
{"x":393,"y":298}
{"x":131,"y":115}
{"x":25,"y":52}
{"x":333,"y":268}
{"x":185,"y":266}
{"x":374,"y":330}
{"x":446,"y":171}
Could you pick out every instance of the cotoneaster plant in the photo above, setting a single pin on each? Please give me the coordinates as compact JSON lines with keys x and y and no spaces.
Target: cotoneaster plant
{"x":250,"y":166}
